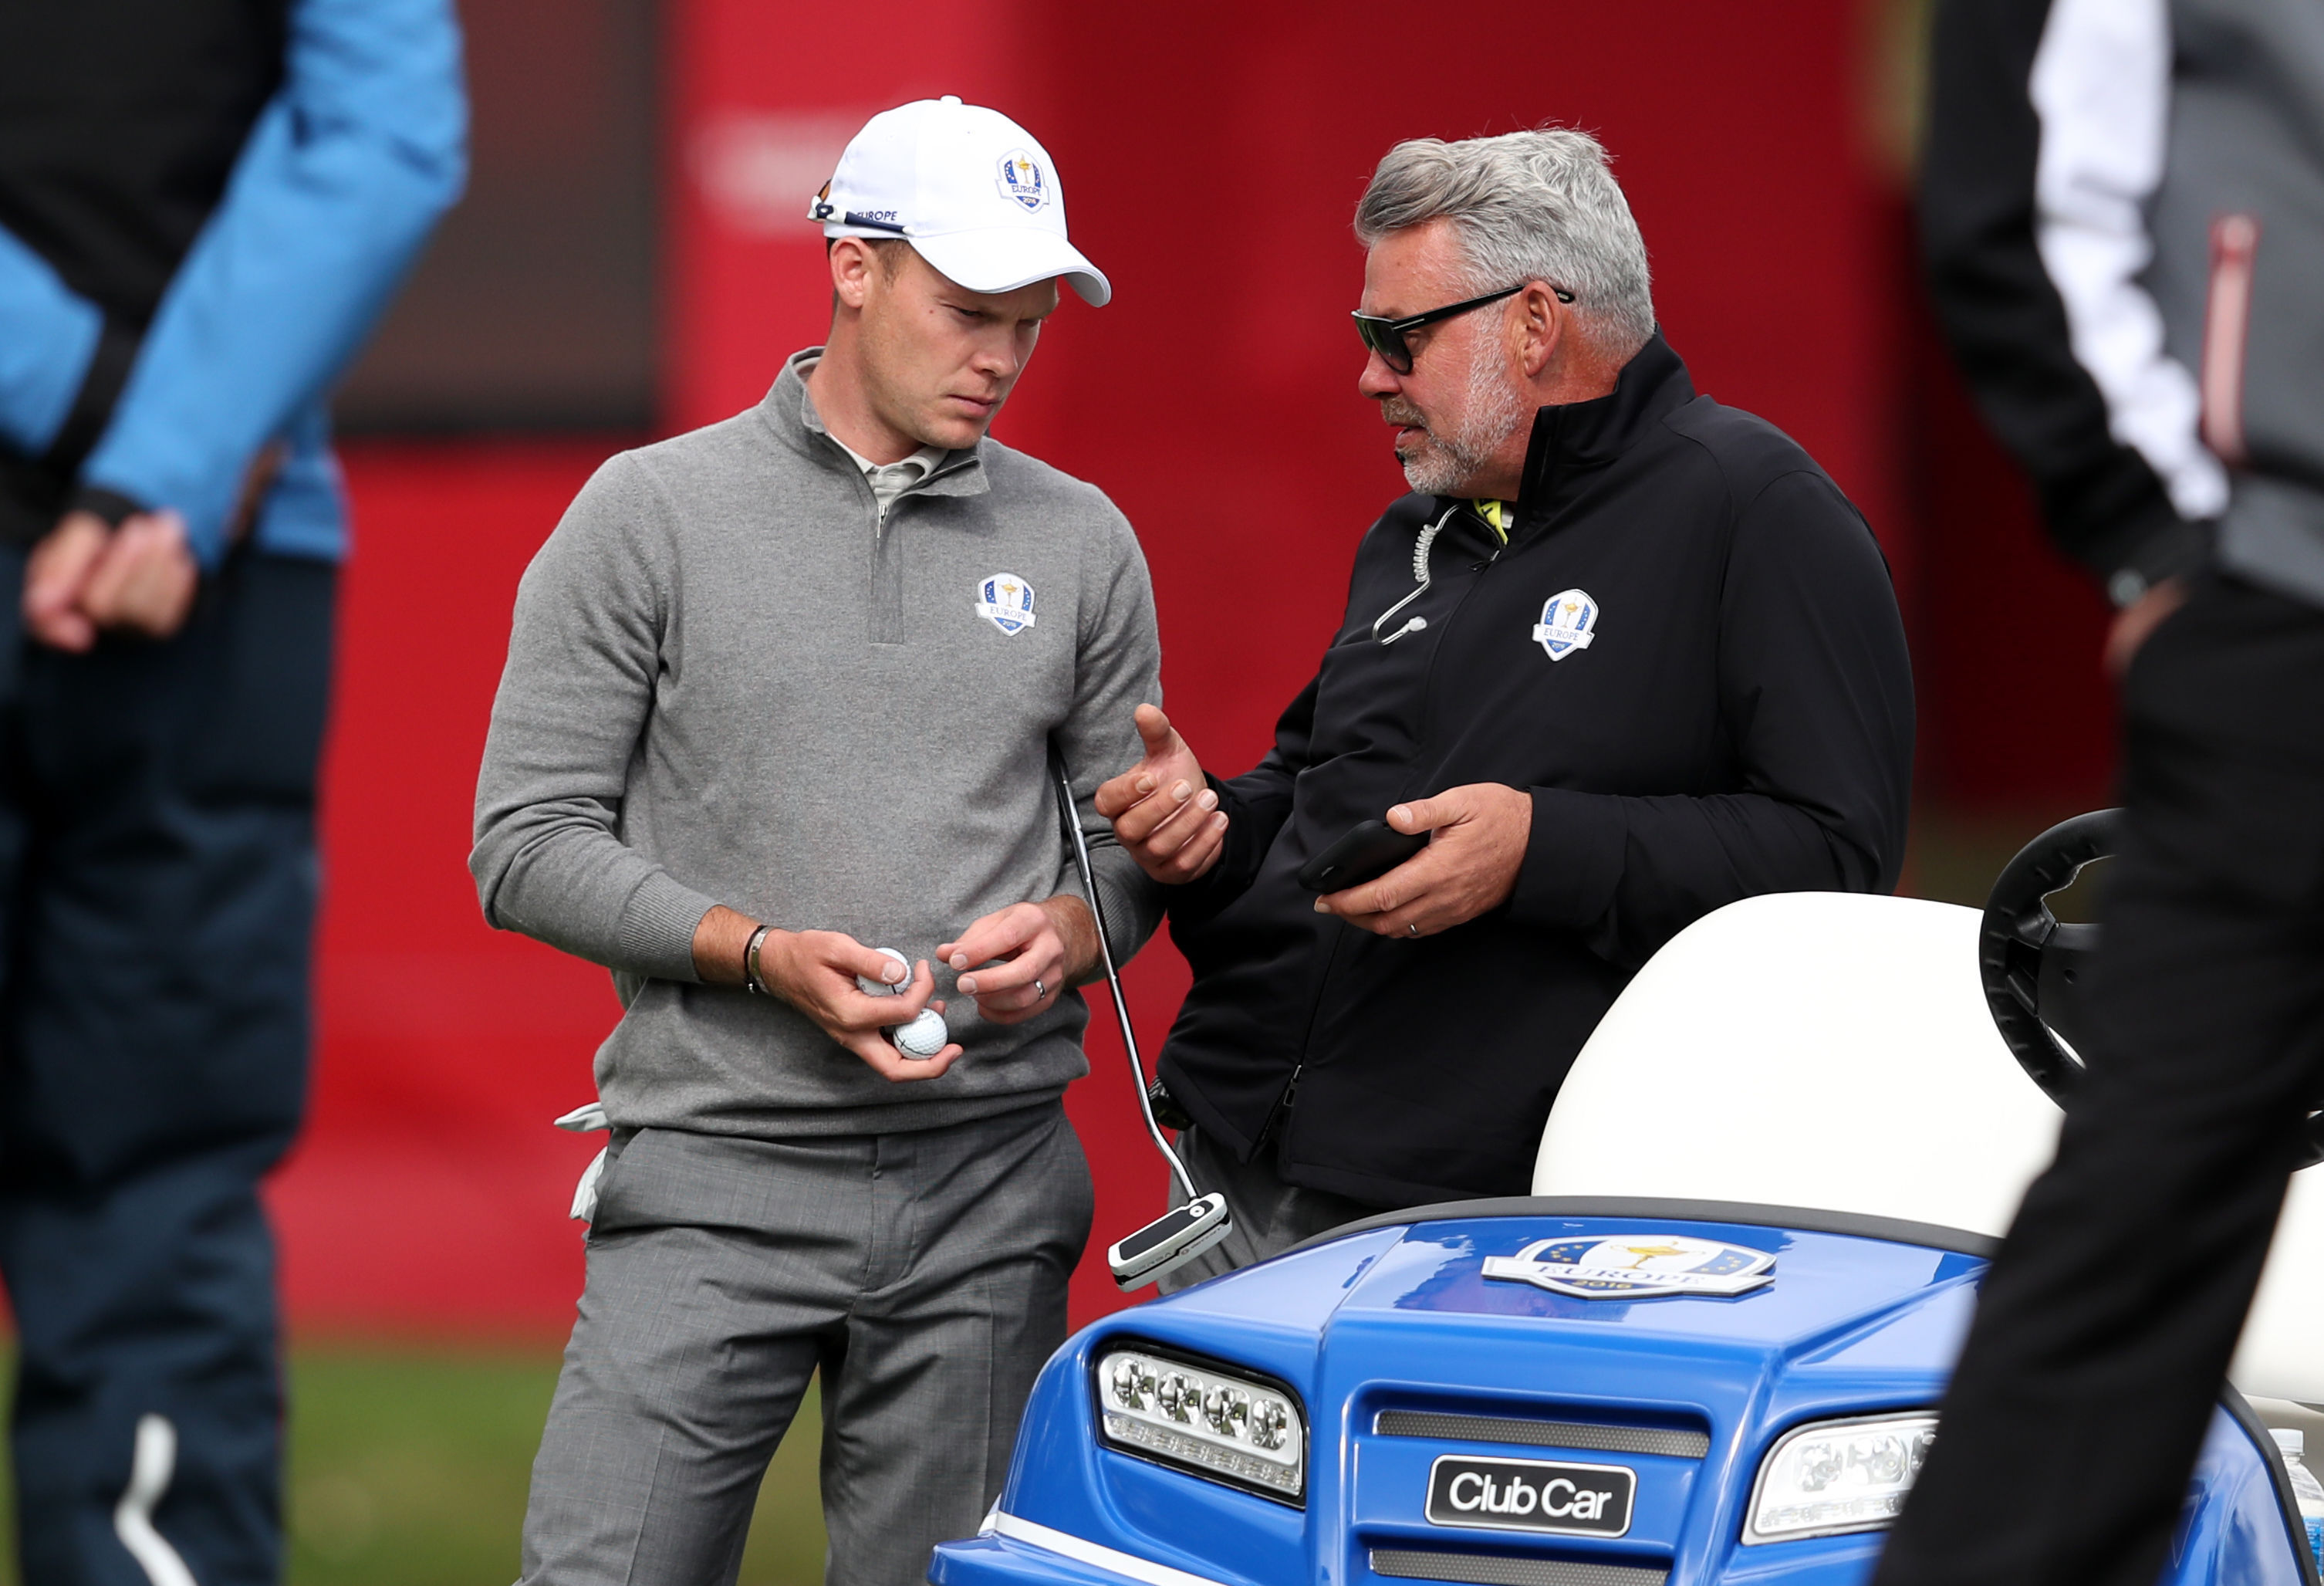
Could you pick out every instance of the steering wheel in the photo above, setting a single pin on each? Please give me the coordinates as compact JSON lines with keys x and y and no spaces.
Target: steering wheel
{"x":2033,"y":964}
{"x":2036,"y":967}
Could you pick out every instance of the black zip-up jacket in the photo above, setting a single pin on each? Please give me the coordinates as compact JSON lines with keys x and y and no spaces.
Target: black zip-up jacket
{"x":1740,"y":721}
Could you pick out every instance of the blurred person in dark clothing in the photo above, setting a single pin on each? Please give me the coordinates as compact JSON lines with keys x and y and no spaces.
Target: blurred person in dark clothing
{"x":1624,"y":655}
{"x":204,"y":205}
{"x":2123,"y":211}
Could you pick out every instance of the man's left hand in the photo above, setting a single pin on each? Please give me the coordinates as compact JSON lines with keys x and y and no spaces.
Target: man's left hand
{"x":1478,"y":842}
{"x":1025,"y":957}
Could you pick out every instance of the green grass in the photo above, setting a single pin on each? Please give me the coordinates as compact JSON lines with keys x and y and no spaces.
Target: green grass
{"x":408,"y":1468}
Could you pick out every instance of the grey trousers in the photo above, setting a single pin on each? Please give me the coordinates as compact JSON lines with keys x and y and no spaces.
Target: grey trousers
{"x":1269,"y":1215}
{"x":924,"y":1274}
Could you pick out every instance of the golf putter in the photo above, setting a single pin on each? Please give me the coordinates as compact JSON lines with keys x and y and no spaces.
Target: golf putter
{"x":1184,"y":1232}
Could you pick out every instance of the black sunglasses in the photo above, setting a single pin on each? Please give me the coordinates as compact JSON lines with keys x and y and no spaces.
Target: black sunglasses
{"x":1385,"y":336}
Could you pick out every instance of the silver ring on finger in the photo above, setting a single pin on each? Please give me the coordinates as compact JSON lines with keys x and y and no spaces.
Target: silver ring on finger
{"x":1040,"y":992}
{"x":1412,"y":927}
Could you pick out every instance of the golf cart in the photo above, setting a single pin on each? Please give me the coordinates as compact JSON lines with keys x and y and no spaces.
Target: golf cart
{"x":1707,"y":1347}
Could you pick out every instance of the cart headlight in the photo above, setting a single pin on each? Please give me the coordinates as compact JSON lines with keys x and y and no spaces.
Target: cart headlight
{"x":1214,"y":1422}
{"x":1833,"y":1476}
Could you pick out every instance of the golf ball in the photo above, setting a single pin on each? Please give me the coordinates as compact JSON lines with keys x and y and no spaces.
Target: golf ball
{"x":925,"y":1036}
{"x":873,"y":988}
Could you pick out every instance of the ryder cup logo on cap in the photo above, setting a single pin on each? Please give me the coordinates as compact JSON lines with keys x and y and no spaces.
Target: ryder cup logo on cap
{"x":974,"y":193}
{"x":1021,"y":178}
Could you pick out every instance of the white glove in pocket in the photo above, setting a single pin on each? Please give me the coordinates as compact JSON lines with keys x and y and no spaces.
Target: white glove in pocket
{"x":583,"y":1120}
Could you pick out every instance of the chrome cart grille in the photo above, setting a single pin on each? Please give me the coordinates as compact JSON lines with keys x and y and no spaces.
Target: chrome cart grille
{"x":1494,"y":1570}
{"x":1589,"y":1435}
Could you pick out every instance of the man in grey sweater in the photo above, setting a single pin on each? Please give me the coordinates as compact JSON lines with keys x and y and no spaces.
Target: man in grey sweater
{"x":781,"y":693}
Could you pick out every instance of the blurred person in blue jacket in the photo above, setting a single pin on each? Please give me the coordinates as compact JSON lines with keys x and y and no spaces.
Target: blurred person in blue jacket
{"x":204,"y":206}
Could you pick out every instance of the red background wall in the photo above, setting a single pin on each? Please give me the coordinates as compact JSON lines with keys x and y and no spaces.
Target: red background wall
{"x":1211,"y":158}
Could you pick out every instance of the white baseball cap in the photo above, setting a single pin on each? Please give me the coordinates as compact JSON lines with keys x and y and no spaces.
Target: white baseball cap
{"x":968,"y":187}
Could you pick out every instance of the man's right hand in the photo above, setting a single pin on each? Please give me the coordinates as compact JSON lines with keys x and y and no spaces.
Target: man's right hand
{"x":84,"y":577}
{"x":1164,"y":814}
{"x":815,"y":971}
{"x":2137,"y":621}
{"x":55,"y":575}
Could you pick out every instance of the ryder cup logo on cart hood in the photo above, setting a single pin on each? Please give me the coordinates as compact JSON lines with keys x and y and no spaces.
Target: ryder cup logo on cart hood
{"x":1634,"y":1266}
{"x":1005,"y":600}
{"x":1567,"y":618}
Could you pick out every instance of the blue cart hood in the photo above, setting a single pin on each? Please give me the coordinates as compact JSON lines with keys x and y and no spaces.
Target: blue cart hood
{"x":1402,"y":1349}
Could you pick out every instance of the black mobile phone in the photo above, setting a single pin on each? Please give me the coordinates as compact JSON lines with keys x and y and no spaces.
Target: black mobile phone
{"x":1368,"y":849}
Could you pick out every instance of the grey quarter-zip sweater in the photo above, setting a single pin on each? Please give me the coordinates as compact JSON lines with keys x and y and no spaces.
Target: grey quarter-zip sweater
{"x":733,"y":678}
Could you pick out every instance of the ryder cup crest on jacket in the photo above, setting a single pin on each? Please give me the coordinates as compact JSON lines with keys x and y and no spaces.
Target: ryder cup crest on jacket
{"x":1568,"y":619}
{"x":974,"y":193}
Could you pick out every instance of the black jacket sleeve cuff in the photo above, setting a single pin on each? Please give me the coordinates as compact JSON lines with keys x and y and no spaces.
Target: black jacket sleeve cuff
{"x":1572,"y":860}
{"x":2120,"y":524}
{"x":2167,"y":550}
{"x":108,"y":505}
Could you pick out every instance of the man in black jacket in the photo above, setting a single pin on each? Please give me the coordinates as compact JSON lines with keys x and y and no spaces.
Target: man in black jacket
{"x":1626,"y":656}
{"x":2123,"y":209}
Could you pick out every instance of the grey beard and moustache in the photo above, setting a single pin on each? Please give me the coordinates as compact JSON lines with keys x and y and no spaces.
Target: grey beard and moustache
{"x":1490,"y":412}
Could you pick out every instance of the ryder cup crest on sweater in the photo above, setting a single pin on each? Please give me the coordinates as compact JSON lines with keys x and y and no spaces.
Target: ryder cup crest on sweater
{"x":1005,"y":600}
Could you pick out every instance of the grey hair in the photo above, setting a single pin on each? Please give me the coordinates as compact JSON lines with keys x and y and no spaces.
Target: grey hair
{"x":1526,"y":206}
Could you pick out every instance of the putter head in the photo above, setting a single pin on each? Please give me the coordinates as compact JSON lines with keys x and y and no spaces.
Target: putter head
{"x":1171,"y":1240}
